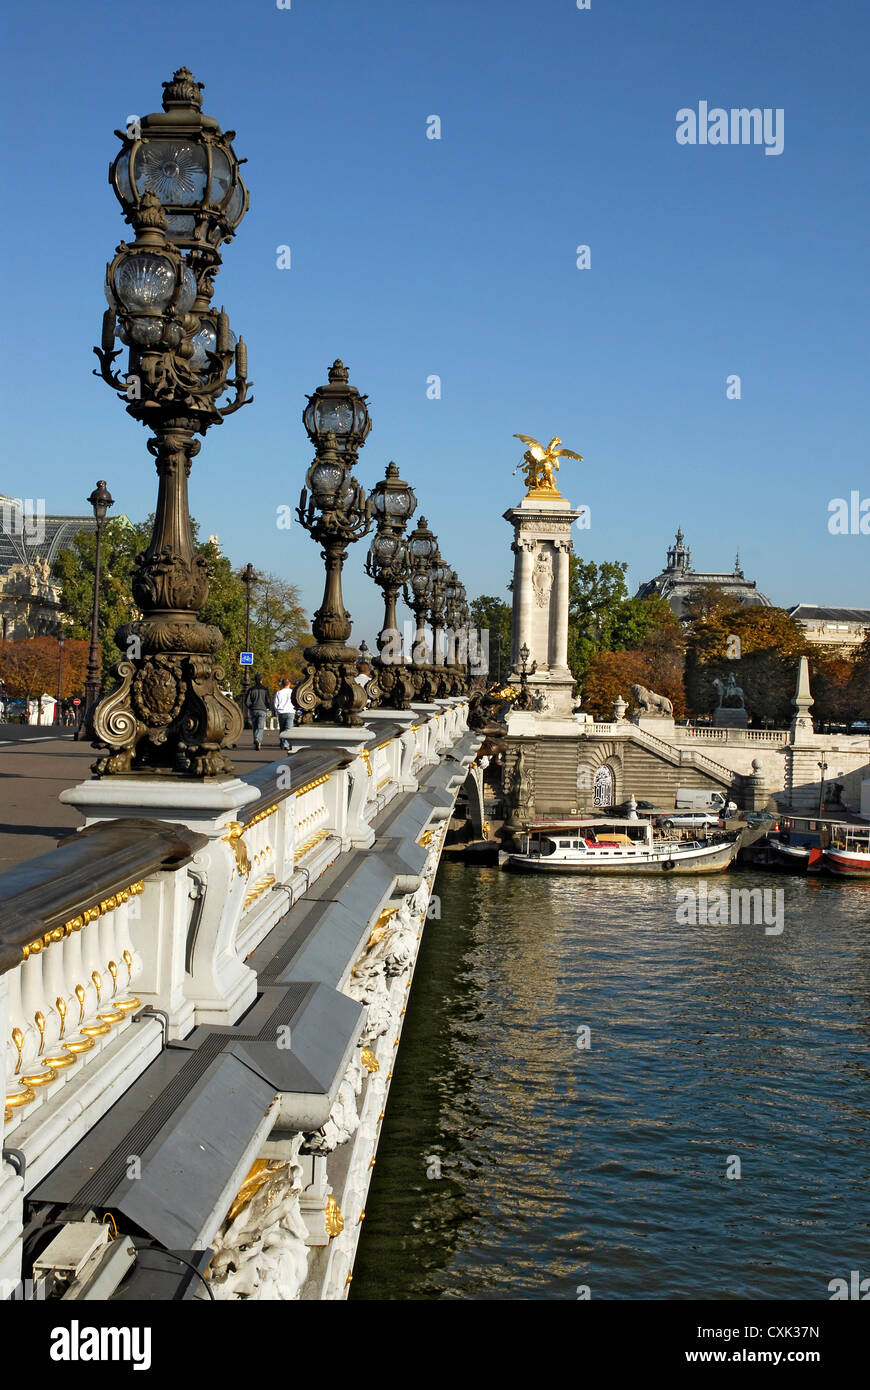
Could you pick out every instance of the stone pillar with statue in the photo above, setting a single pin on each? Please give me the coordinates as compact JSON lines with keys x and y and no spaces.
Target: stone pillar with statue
{"x":541,"y":590}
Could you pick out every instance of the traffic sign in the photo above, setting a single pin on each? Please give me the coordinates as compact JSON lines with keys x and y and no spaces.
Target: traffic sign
{"x":246,"y":658}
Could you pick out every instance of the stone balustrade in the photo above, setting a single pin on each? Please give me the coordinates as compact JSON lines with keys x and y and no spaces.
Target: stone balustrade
{"x":143,"y":926}
{"x":766,"y":738}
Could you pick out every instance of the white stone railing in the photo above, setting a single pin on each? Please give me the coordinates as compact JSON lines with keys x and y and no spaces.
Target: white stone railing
{"x":72,"y":995}
{"x":91,"y":1001}
{"x":769,"y":738}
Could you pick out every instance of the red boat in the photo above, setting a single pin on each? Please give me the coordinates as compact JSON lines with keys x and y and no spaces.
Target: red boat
{"x":849,"y":855}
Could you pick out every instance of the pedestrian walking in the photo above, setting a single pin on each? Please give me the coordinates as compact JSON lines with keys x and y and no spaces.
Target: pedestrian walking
{"x":257,"y":703}
{"x":283,"y":707}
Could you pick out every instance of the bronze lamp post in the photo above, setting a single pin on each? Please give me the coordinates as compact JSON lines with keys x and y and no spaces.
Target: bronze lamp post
{"x":388,"y":564}
{"x":177,"y":178}
{"x":440,"y":572}
{"x":101,"y":500}
{"x":422,"y":546}
{"x":249,"y":578}
{"x":335,"y":511}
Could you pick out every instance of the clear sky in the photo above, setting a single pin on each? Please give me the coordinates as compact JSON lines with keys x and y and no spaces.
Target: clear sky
{"x":414,"y":257}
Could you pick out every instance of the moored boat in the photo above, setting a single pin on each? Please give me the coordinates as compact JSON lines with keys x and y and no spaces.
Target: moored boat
{"x":848,"y":855}
{"x":586,"y":845}
{"x":796,"y":856}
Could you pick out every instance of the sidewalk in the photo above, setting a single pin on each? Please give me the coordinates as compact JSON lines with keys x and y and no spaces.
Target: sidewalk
{"x":34,"y":770}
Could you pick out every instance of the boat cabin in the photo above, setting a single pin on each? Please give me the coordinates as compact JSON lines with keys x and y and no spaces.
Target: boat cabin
{"x":585,"y":834}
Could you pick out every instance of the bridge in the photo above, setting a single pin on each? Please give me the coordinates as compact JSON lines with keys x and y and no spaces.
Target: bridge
{"x":201,"y":1011}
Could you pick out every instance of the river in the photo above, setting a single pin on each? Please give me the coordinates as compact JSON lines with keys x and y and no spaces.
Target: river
{"x":525,"y":1158}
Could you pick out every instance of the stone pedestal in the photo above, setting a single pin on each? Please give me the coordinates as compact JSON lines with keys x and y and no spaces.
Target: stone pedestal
{"x":730,"y":719}
{"x":542,"y":547}
{"x":214,"y":985}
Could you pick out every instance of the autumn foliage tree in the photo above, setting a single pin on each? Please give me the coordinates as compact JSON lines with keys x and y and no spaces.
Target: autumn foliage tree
{"x":30,"y":667}
{"x":657,"y":664}
{"x":760,"y":646}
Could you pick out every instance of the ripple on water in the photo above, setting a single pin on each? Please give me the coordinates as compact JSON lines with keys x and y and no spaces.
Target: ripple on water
{"x":607,"y":1166}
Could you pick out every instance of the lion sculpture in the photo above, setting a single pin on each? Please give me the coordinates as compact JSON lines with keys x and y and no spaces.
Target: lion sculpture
{"x":651,"y":703}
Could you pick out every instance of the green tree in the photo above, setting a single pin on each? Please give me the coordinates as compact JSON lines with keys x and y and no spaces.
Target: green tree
{"x":493,"y":615}
{"x":279,"y":628}
{"x":74,"y":571}
{"x":278,"y":623}
{"x":602,"y":617}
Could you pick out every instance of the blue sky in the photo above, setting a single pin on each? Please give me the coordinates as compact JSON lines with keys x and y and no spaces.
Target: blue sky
{"x":456,"y":257}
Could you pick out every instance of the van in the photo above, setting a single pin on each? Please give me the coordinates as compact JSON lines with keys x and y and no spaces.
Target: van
{"x":699,"y":799}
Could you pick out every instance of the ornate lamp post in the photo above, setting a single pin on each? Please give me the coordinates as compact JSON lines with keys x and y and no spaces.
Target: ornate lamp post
{"x":823,"y":767}
{"x":335,"y":511}
{"x":101,"y":500}
{"x":524,"y":698}
{"x":177,"y":178}
{"x":441,"y":573}
{"x":422,"y":545}
{"x":388,"y":564}
{"x":249,"y":578}
{"x":58,"y":713}
{"x":459,"y":655}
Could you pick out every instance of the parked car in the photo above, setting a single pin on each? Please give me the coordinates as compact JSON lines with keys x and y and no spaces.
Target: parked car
{"x":756,"y":818}
{"x":692,"y":820}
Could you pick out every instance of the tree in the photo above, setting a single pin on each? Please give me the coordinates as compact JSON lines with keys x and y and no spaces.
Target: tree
{"x":602,"y":618}
{"x":493,"y":616}
{"x":759,"y":646}
{"x":279,"y":627}
{"x":832,"y":681}
{"x":860,"y":681}
{"x":30,"y":667}
{"x":74,"y":571}
{"x":611,"y":674}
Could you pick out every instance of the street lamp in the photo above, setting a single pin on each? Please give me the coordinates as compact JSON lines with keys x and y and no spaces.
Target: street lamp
{"x":823,"y":767}
{"x":249,"y":577}
{"x":422,"y":546}
{"x":388,"y":564}
{"x":101,"y":500}
{"x":335,"y":511}
{"x":441,"y":573}
{"x":58,"y":714}
{"x":524,"y":698}
{"x":177,"y":179}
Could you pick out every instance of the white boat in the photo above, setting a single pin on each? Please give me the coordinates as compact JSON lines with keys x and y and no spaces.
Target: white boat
{"x":848,"y":854}
{"x":589,"y":845}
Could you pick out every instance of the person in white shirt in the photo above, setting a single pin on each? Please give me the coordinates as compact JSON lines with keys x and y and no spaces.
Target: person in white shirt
{"x":283,"y":707}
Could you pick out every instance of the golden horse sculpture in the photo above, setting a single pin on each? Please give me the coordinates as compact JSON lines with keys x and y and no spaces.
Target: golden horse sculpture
{"x":540,"y":464}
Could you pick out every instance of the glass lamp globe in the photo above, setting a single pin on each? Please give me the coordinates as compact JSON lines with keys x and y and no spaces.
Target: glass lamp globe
{"x":326,"y":479}
{"x":204,"y":341}
{"x":145,"y":281}
{"x":422,"y":543}
{"x":337,"y":408}
{"x":386,"y":547}
{"x":393,"y":501}
{"x":420,"y":584}
{"x":182,"y":156}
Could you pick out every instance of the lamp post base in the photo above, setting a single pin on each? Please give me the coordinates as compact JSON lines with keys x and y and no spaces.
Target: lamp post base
{"x":329,"y":692}
{"x":167,"y":716}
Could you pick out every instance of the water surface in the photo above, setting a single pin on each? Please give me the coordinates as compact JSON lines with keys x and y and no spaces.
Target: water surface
{"x":562,"y":1168}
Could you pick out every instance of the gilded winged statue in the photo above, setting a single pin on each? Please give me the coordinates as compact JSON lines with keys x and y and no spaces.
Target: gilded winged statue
{"x":540,"y":463}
